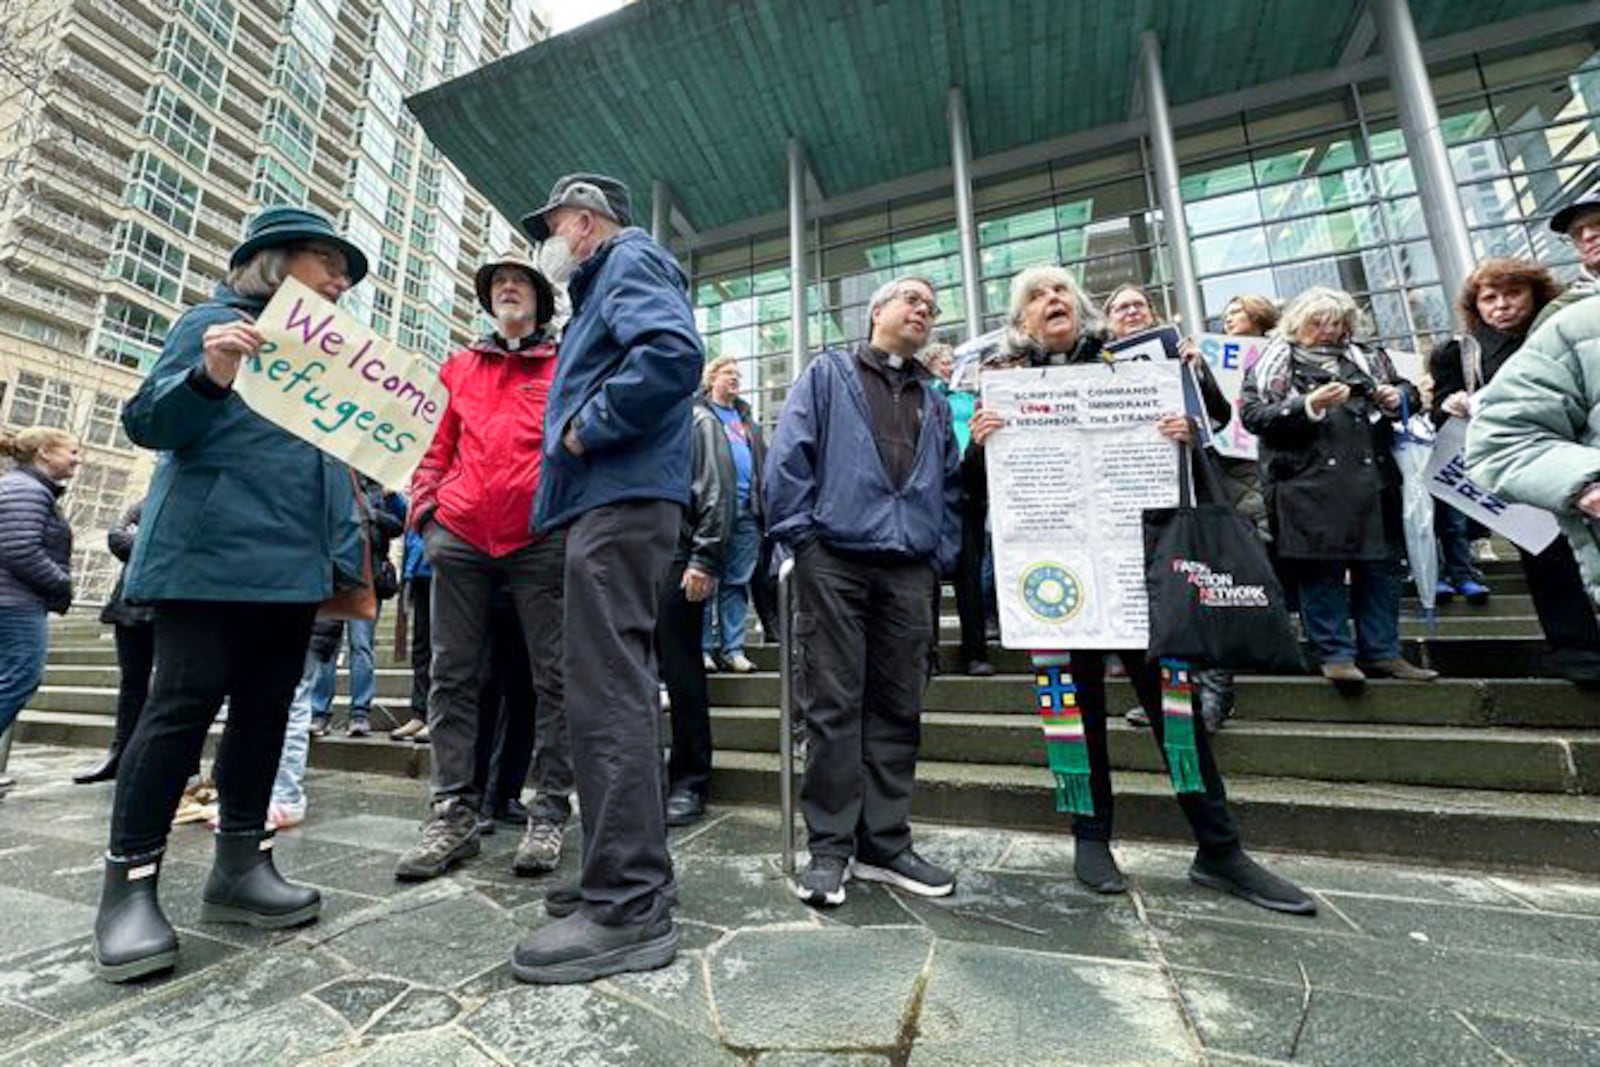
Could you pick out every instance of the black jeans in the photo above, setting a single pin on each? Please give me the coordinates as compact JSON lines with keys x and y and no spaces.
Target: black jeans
{"x":861,"y":629}
{"x":136,"y":657}
{"x":969,"y":583}
{"x":1207,"y":812}
{"x":1559,"y":599}
{"x":464,"y":581}
{"x":507,"y":710}
{"x":616,"y":557}
{"x":252,"y":654}
{"x":421,"y":644}
{"x":678,"y":646}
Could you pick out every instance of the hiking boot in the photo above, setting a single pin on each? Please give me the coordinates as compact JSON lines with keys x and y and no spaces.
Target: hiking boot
{"x":578,"y":949}
{"x":1095,"y":867}
{"x":907,"y":871}
{"x":1242,"y":876}
{"x":450,"y":836}
{"x":1399,"y":668}
{"x":131,"y":936}
{"x":540,"y":848}
{"x":821,"y":884}
{"x":245,"y":886}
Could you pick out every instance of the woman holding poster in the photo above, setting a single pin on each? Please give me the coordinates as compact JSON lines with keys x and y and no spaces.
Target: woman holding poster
{"x":1053,"y":324}
{"x":245,"y":531}
{"x":1324,"y":410}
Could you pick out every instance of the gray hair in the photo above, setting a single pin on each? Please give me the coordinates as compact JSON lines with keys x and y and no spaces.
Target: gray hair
{"x":260,"y":275}
{"x":1026,"y":285}
{"x":1320,"y":304}
{"x":889,"y":289}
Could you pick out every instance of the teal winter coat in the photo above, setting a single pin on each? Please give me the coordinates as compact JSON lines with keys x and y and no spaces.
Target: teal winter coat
{"x":238,"y":508}
{"x":1536,"y":437}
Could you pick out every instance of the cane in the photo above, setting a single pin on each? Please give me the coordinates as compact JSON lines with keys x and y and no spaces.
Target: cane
{"x":786,"y":710}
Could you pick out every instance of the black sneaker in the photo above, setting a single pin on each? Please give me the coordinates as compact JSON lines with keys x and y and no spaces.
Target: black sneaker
{"x":907,"y":871}
{"x":450,"y":836}
{"x":821,"y":884}
{"x":1242,"y":876}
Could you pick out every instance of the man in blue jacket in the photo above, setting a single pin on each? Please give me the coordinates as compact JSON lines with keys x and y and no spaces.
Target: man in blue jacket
{"x":616,"y":478}
{"x":863,"y":483}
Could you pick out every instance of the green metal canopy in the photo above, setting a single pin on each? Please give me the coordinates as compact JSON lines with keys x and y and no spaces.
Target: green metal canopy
{"x":704,"y":94}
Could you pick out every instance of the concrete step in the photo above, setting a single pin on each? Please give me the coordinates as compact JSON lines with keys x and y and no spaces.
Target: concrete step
{"x":1445,"y":826}
{"x":1536,"y":761}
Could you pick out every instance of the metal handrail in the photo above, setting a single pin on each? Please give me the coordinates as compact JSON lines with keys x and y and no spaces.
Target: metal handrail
{"x":786,"y":710}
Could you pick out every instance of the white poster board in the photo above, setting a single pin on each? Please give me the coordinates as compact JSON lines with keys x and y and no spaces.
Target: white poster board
{"x":332,"y":382}
{"x":1530,"y":528}
{"x":1078,"y":461}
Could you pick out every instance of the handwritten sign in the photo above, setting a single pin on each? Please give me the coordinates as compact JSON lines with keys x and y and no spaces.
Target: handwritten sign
{"x":1078,"y":461}
{"x":1229,"y":359}
{"x":332,"y":382}
{"x":1527,"y":527}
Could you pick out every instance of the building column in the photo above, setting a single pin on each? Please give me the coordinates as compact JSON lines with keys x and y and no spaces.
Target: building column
{"x":797,"y":258}
{"x":1168,"y":192}
{"x":966,"y":221}
{"x":660,"y":212}
{"x":1419,"y":124}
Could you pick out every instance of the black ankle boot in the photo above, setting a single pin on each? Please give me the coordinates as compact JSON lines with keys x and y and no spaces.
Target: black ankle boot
{"x":131,"y":936}
{"x":106,"y":771}
{"x":1096,"y":867}
{"x":1242,"y":876}
{"x":245,"y":887}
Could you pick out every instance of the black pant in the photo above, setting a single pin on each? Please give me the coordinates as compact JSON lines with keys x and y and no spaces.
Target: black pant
{"x":678,"y":646}
{"x":1559,"y":598}
{"x":1207,"y":812}
{"x":969,"y":583}
{"x":507,"y":709}
{"x":764,"y":592}
{"x":861,"y":629}
{"x":252,"y":654}
{"x":616,"y":557}
{"x":136,"y":656}
{"x":421,"y":645}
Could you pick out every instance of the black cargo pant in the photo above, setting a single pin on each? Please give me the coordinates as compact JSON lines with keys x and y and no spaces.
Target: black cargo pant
{"x":861,"y":632}
{"x":1559,"y":599}
{"x":1207,"y":812}
{"x":678,"y":629}
{"x":617,"y":555}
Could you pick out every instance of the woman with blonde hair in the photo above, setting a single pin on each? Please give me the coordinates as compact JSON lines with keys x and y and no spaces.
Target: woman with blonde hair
{"x":35,"y":556}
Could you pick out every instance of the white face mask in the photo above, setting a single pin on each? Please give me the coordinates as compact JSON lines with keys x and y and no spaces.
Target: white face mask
{"x":556,"y":260}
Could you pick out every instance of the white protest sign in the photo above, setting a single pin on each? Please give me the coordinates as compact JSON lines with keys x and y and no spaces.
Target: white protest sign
{"x":1229,"y":358}
{"x":1078,"y":461}
{"x":332,"y":382}
{"x":1527,"y":527}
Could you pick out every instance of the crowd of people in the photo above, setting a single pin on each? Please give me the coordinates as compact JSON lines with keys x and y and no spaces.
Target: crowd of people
{"x":599,"y":509}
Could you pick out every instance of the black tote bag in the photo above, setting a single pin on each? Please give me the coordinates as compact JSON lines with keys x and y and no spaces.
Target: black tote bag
{"x":1214,"y":598}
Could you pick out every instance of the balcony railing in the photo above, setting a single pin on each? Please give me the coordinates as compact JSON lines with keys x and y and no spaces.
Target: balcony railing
{"x":47,"y":301}
{"x":89,"y":74}
{"x":92,"y":234}
{"x":120,"y":20}
{"x":61,"y":256}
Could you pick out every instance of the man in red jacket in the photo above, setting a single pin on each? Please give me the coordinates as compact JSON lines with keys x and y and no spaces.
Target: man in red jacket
{"x":471,"y":498}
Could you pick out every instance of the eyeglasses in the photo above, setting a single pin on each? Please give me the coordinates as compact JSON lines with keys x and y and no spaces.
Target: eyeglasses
{"x":1129,"y":306}
{"x":915,"y":300}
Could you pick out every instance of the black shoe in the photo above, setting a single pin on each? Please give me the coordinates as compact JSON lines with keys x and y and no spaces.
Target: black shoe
{"x":450,"y":836}
{"x":245,"y":886}
{"x":513,"y":812}
{"x":105,"y":772}
{"x":991,"y":630}
{"x":1095,"y":866}
{"x":1580,"y":666}
{"x":484,"y":822}
{"x":821,"y":884}
{"x":578,"y":949}
{"x":685,"y":807}
{"x":131,"y":936}
{"x":907,"y":871}
{"x":980,"y":668}
{"x":1242,"y":876}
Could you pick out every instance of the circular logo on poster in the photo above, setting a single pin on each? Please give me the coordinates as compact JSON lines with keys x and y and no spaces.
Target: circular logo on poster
{"x":1051,"y":592}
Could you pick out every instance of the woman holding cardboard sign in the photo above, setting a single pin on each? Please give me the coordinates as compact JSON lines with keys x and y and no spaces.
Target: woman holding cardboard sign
{"x":245,"y":531}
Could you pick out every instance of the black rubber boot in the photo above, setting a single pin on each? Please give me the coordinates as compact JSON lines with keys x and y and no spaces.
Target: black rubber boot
{"x":131,"y":936}
{"x":107,"y":769}
{"x":1096,"y":867}
{"x":1242,"y":876}
{"x":245,"y":887}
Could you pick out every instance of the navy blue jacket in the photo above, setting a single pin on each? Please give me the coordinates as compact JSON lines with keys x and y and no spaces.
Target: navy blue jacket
{"x":824,"y":478}
{"x":628,"y":369}
{"x":238,"y":508}
{"x":35,"y":543}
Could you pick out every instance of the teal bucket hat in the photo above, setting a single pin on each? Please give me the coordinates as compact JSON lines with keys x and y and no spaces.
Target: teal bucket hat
{"x":279,"y":225}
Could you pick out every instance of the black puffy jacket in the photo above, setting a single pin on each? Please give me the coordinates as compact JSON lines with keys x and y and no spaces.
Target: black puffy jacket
{"x":35,"y":543}
{"x":120,"y":539}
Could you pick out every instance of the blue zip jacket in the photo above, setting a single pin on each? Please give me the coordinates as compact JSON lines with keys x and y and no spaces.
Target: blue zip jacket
{"x":824,"y":478}
{"x":628,"y":370}
{"x":238,"y":508}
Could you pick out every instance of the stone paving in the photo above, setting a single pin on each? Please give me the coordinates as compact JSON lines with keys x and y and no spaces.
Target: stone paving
{"x":1403,"y":965}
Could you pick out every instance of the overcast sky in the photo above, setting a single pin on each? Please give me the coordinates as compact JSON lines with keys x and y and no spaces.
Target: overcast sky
{"x":565,"y":14}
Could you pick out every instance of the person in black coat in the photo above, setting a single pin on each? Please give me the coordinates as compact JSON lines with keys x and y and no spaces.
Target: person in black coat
{"x":136,"y":648}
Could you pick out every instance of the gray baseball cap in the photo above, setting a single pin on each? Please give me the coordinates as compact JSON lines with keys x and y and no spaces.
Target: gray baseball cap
{"x":596,"y":192}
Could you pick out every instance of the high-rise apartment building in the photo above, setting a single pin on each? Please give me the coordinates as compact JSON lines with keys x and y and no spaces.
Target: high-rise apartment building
{"x":154,"y":128}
